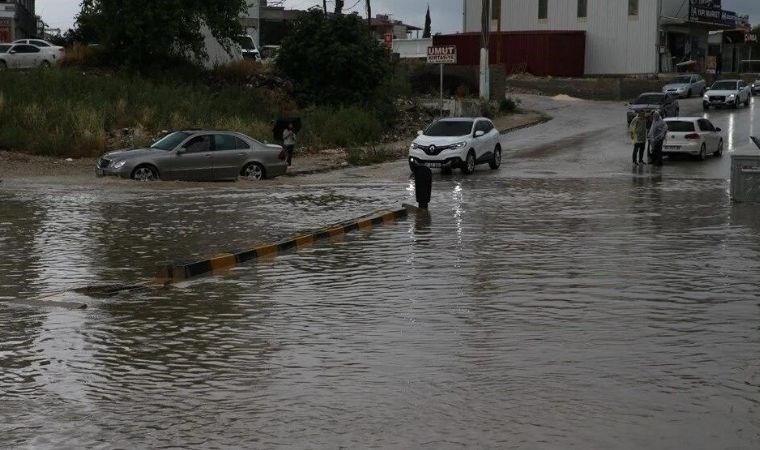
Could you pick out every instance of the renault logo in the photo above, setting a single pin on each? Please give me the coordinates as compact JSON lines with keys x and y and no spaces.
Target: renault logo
{"x":432,"y":148}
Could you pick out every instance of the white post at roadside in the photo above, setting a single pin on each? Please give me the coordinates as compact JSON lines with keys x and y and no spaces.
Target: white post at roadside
{"x":485,"y":31}
{"x":441,"y":90}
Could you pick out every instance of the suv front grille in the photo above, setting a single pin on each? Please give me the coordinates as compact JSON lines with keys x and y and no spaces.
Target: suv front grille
{"x":434,"y":150}
{"x":717,"y":99}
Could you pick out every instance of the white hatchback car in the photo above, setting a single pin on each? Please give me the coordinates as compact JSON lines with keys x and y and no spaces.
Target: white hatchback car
{"x":462,"y":142}
{"x":692,"y":136}
{"x":44,"y":46}
{"x":24,"y":56}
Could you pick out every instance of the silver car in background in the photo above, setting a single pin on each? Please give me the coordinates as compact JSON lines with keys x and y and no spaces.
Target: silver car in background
{"x":196,"y":155}
{"x":685,"y":86}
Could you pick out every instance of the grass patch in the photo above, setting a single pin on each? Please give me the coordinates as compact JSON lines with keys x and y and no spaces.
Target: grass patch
{"x":68,"y":112}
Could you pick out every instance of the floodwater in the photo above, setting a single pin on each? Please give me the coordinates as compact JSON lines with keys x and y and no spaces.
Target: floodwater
{"x":592,"y":313}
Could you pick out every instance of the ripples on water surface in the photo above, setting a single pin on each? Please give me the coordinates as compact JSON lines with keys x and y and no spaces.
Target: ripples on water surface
{"x":530,"y":313}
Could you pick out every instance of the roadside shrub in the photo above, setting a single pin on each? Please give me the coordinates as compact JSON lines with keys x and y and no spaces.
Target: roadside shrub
{"x":487,"y":109}
{"x":239,"y":72}
{"x":508,"y":104}
{"x":341,"y":127}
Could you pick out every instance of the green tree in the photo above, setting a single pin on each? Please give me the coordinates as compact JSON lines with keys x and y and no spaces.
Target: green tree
{"x":426,"y":33}
{"x":141,"y":32}
{"x":332,"y":60}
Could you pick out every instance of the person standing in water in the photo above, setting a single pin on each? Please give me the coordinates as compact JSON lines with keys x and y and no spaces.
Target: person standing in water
{"x":638,"y":130}
{"x":657,"y":133}
{"x":289,"y":142}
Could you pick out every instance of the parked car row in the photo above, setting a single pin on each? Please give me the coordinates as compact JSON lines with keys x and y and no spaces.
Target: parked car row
{"x":29,"y":54}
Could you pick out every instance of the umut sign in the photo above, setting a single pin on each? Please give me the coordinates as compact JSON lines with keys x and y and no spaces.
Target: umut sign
{"x":442,"y":54}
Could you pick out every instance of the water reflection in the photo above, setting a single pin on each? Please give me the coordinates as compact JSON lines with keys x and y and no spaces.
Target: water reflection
{"x":590,"y":313}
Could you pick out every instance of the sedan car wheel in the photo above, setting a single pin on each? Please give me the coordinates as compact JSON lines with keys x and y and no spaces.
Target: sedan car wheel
{"x":145,"y":173}
{"x":3,"y":65}
{"x":253,"y":172}
{"x":45,"y":65}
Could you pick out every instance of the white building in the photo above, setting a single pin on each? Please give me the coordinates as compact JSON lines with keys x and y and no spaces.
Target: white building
{"x":622,"y":36}
{"x":17,"y":20}
{"x":250,"y":20}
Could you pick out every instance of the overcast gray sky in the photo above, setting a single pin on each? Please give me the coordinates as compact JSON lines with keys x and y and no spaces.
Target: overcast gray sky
{"x":446,"y":14}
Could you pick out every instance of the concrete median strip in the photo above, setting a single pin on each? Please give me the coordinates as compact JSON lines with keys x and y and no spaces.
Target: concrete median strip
{"x":223,"y":262}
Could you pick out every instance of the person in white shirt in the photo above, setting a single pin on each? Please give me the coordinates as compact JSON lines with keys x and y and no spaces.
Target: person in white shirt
{"x":289,"y":141}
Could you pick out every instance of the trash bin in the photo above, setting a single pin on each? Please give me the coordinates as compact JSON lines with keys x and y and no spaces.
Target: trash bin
{"x":745,"y":173}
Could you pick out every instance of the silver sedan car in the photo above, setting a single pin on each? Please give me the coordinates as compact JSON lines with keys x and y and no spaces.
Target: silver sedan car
{"x":196,"y":155}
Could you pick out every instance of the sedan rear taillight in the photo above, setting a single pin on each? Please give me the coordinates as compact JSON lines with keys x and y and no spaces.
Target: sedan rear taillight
{"x":693,"y":136}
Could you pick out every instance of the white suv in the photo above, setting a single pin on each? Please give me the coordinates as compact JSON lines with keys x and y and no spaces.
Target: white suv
{"x":458,"y":142}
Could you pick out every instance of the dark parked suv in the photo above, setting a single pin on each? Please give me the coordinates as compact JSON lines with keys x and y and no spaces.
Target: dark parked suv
{"x":649,"y":102}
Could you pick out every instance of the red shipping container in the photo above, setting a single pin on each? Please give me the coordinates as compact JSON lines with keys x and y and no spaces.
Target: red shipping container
{"x":541,"y":53}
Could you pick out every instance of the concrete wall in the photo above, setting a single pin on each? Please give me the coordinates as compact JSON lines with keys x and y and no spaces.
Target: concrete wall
{"x":615,"y":42}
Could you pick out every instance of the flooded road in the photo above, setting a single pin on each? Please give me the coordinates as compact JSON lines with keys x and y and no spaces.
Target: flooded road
{"x":609,"y":310}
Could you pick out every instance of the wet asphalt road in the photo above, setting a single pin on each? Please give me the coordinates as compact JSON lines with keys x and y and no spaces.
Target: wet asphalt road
{"x":565,"y":301}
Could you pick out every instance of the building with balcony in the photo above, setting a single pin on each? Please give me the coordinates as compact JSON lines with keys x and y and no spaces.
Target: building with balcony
{"x":17,"y":20}
{"x":622,"y":36}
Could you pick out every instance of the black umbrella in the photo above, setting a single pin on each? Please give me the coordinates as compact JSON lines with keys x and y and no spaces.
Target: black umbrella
{"x":281,"y":124}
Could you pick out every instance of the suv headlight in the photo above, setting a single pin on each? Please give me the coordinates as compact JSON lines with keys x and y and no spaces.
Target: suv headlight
{"x":732,"y":96}
{"x":118,"y":164}
{"x":458,"y":145}
{"x":706,"y":97}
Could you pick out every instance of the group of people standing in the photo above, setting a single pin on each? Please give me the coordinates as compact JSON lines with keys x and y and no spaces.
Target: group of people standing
{"x":654,"y":133}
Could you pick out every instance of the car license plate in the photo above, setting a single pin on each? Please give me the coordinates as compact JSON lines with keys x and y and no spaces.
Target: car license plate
{"x":433,"y":165}
{"x":672,"y":147}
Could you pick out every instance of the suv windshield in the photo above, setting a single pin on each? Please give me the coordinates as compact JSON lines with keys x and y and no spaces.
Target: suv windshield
{"x":680,"y":80}
{"x":444,"y":128}
{"x":724,"y":86}
{"x":4,"y":48}
{"x":246,"y":42}
{"x":650,"y":100}
{"x":170,"y":141}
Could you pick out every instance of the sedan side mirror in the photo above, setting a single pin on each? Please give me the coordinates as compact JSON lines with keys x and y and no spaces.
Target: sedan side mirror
{"x":181,"y":150}
{"x":419,"y":132}
{"x":718,"y":130}
{"x":12,"y":52}
{"x":479,"y":133}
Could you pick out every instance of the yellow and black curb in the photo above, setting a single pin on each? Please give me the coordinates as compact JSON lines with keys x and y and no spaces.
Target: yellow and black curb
{"x":225,"y":261}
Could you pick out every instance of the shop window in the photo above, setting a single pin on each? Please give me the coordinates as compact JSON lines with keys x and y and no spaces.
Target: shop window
{"x":543,"y":9}
{"x":582,"y":9}
{"x":633,"y":8}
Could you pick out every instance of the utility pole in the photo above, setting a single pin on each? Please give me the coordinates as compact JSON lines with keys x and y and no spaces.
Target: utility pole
{"x":324,"y":6}
{"x":485,"y":81}
{"x":369,"y":14}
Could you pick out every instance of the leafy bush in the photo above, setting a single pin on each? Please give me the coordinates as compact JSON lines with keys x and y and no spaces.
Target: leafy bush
{"x":508,"y":104}
{"x":238,"y":72}
{"x":332,"y":60}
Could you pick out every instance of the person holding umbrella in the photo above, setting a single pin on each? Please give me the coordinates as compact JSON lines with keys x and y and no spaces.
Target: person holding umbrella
{"x":289,"y":141}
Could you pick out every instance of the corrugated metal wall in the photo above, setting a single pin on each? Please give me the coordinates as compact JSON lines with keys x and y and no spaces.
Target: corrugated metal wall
{"x":616,"y":43}
{"x":542,"y":53}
